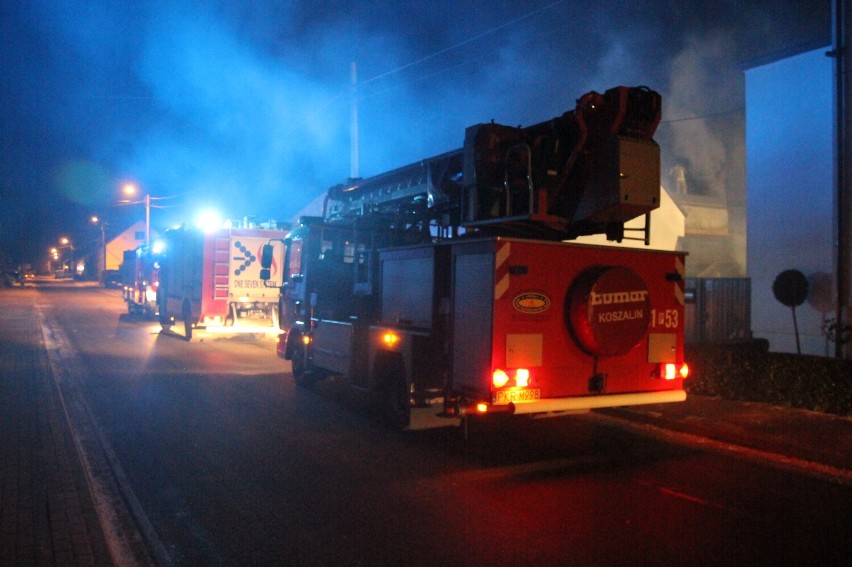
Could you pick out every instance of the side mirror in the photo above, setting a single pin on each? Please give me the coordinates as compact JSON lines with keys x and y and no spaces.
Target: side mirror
{"x":266,"y":259}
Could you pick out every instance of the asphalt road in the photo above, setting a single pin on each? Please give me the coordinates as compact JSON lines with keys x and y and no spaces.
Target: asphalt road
{"x":223,"y":461}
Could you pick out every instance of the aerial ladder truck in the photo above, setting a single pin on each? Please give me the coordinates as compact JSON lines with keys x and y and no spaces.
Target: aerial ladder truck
{"x":451,"y":287}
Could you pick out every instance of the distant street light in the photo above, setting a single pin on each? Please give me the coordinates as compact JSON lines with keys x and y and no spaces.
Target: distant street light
{"x":64,"y":242}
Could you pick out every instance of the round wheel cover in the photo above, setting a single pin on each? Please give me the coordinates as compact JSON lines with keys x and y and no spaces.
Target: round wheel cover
{"x":608,"y":310}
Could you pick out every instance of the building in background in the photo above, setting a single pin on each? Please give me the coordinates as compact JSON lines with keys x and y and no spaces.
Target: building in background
{"x":129,"y":239}
{"x":791,"y":195}
{"x":667,"y":228}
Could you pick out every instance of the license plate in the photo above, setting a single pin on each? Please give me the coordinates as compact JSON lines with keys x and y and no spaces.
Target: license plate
{"x":502,"y":397}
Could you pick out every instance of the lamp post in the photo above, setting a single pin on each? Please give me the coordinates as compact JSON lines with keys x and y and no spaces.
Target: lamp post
{"x":103,"y":262}
{"x":130,"y":189}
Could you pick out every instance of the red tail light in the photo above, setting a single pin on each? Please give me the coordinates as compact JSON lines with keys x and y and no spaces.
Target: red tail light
{"x":499,"y":378}
{"x":671,"y":371}
{"x":519,"y":377}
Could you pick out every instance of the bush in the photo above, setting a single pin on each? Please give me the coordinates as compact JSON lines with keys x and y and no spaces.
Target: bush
{"x":748,"y":371}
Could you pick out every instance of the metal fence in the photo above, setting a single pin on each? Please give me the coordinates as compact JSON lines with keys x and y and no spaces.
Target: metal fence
{"x":717,"y":309}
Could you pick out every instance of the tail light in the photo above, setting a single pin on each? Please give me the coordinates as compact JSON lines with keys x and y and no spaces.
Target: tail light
{"x":390,"y":339}
{"x":671,"y":371}
{"x":499,"y":378}
{"x":520,"y":377}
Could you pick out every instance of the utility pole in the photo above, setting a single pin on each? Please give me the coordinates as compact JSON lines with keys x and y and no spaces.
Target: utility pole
{"x":842,"y":74}
{"x":147,"y":219}
{"x":354,"y":166}
{"x":103,"y":261}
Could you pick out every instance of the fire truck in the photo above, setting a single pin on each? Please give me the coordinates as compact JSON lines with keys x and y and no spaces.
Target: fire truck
{"x":211,"y":279}
{"x":451,"y":287}
{"x":140,"y":278}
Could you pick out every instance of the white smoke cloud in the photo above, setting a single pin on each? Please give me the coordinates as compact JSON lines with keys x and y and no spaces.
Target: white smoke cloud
{"x":701,"y":109}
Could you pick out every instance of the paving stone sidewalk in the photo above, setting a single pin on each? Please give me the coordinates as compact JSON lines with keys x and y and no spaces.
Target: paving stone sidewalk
{"x":811,"y":440}
{"x":47,"y":516}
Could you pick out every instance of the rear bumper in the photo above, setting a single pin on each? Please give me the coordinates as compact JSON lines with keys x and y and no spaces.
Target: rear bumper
{"x":595,"y":402}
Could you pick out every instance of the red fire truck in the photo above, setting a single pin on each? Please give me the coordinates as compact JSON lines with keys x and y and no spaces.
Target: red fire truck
{"x":448,"y":286}
{"x":211,"y":279}
{"x":140,"y":274}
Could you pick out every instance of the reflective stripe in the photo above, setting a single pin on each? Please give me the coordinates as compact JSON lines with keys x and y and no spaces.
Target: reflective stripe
{"x":593,"y":402}
{"x":501,"y":286}
{"x":501,"y":282}
{"x":502,"y":255}
{"x":678,"y":285}
{"x":678,"y":292}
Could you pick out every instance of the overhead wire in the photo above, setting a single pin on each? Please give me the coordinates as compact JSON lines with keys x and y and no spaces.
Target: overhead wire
{"x":462,"y":43}
{"x":428,"y":57}
{"x":704,"y":116}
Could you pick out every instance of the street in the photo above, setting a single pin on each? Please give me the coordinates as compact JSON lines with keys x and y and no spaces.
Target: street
{"x":221,"y":460}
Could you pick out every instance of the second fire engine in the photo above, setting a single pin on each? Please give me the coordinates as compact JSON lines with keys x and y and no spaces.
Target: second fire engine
{"x":448,"y":286}
{"x":211,"y":279}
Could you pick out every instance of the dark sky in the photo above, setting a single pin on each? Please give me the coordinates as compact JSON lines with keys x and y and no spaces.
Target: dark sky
{"x":244,"y":105}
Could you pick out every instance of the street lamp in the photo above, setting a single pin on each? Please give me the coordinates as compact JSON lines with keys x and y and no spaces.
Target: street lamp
{"x":64,"y":242}
{"x":130,"y":190}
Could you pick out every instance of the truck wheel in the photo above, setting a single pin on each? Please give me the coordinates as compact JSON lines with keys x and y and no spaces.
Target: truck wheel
{"x":165,"y":319}
{"x":231,"y":317}
{"x":302,"y":375}
{"x":397,"y":403}
{"x":187,"y":320}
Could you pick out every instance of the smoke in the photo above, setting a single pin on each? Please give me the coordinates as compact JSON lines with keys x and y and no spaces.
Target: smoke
{"x":703,"y":112}
{"x":249,"y":104}
{"x":233,"y":124}
{"x":245,"y":105}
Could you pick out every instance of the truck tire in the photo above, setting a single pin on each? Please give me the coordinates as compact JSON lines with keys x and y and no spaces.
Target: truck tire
{"x":187,"y":319}
{"x":231,"y":317}
{"x":166,"y":321}
{"x":303,"y":376}
{"x":396,"y":401}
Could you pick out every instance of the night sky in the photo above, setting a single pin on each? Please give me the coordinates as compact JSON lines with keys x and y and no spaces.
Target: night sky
{"x":244,"y":106}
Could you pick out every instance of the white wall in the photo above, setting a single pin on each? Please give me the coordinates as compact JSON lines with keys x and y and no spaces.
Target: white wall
{"x":790,"y":191}
{"x":668,"y":226}
{"x":125,"y":241}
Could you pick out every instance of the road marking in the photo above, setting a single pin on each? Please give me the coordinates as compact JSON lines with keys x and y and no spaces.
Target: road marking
{"x":689,"y":497}
{"x":693,"y":499}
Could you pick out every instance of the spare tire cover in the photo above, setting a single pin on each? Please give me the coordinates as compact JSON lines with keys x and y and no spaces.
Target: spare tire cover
{"x":608,"y":310}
